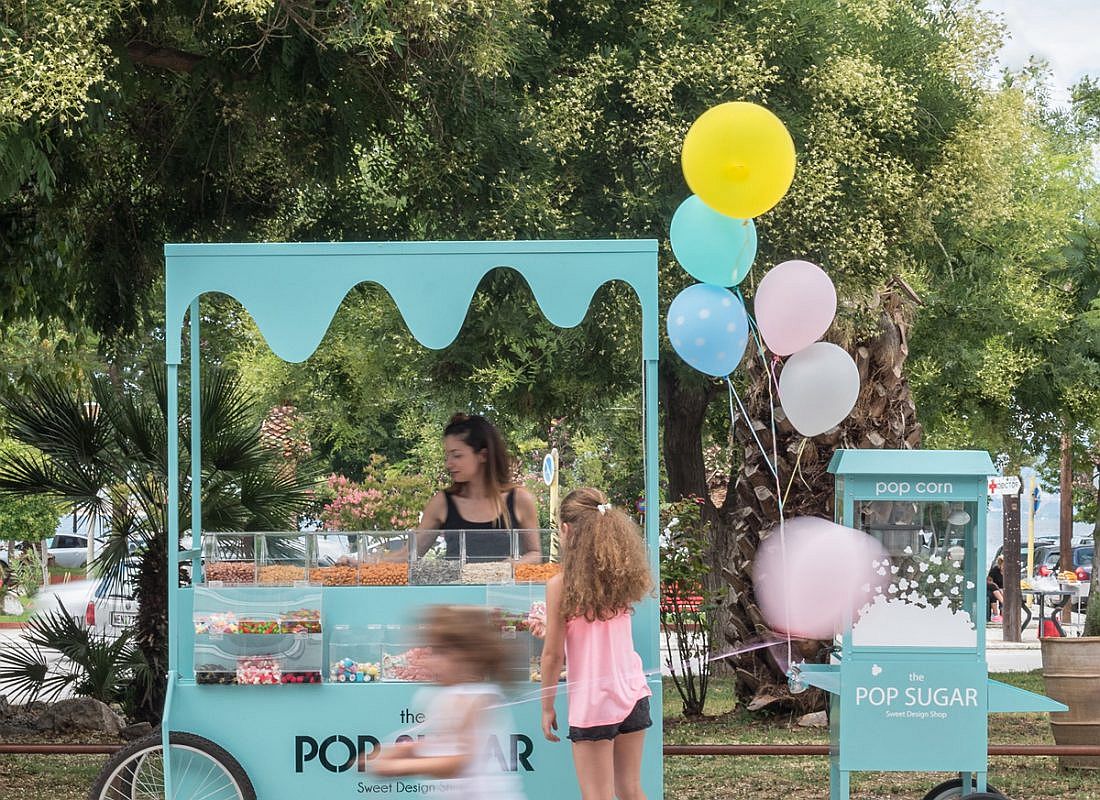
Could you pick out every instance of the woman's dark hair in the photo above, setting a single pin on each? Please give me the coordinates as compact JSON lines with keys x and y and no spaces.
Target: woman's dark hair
{"x":482,"y":435}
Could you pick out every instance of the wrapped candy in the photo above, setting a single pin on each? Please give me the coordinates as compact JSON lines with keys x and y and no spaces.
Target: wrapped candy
{"x":258,"y":671}
{"x":217,"y":624}
{"x":347,"y":670}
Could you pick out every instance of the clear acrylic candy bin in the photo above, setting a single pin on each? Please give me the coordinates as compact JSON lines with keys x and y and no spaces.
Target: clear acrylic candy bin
{"x":355,"y":654}
{"x":257,"y":636}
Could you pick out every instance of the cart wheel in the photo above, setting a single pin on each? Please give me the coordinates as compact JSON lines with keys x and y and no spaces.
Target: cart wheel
{"x":200,"y":768}
{"x":952,"y":790}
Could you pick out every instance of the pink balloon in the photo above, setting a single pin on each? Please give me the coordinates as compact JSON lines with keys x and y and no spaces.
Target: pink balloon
{"x":816,"y":577}
{"x":794,"y":306}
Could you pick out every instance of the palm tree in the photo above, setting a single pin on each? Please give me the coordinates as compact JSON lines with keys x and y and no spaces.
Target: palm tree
{"x":103,"y":449}
{"x":884,"y":417}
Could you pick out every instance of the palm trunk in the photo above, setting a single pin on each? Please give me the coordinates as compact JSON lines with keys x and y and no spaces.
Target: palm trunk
{"x":884,"y":417}
{"x":151,"y":628}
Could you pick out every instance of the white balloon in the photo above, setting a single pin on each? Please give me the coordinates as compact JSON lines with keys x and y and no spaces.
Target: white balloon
{"x":818,"y":387}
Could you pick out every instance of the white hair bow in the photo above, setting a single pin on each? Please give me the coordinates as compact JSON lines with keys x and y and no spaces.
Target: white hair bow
{"x":603,"y":508}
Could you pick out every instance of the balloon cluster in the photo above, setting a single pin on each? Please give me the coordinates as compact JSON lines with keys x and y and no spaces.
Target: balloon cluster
{"x":739,"y":160}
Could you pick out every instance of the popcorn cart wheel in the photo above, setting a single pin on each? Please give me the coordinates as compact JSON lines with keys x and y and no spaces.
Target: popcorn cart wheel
{"x":949,"y":790}
{"x":137,"y":771}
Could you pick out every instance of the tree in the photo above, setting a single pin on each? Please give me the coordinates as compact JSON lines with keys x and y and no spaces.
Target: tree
{"x":105,"y":450}
{"x":125,"y":125}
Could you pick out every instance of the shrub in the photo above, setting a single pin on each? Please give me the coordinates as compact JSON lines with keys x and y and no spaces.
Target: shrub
{"x":687,"y":605}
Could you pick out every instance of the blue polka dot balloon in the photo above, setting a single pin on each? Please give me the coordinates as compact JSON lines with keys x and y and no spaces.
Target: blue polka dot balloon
{"x":708,"y":328}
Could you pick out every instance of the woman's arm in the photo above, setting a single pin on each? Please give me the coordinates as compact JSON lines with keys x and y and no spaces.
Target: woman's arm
{"x":435,"y":513}
{"x":553,"y":656}
{"x":527,"y":520}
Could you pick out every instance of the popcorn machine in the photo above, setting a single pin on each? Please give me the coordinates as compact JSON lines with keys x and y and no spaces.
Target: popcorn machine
{"x":908,"y":684}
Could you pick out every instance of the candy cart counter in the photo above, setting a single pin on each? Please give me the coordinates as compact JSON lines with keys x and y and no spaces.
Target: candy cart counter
{"x":287,"y":658}
{"x":324,"y":658}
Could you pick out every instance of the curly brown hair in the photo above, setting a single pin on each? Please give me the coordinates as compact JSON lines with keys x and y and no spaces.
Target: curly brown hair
{"x":605,"y":569}
{"x":474,"y":634}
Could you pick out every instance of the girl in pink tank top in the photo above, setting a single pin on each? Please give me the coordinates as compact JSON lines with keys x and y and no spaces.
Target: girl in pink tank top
{"x":588,"y":614}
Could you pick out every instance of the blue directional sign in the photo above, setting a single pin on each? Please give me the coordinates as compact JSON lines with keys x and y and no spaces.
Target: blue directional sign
{"x":548,"y":469}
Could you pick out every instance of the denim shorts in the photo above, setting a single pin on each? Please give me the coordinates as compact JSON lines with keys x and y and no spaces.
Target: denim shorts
{"x":637,"y":720}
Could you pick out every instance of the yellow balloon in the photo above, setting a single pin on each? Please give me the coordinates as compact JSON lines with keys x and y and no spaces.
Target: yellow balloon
{"x":739,"y":159}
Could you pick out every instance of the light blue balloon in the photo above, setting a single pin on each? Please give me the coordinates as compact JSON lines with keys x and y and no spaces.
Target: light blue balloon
{"x":712,"y":247}
{"x":709,"y":328}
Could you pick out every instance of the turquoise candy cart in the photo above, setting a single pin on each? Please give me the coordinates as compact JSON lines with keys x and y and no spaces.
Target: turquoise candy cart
{"x":291,"y":653}
{"x":909,"y":686}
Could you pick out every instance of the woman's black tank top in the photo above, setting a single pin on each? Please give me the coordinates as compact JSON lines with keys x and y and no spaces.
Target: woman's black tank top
{"x":496,"y":545}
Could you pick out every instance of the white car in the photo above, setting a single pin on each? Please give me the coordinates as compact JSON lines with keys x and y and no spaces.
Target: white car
{"x":112,"y":606}
{"x":65,"y":550}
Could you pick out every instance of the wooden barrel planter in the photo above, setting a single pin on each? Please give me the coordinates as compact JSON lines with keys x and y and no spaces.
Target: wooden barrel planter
{"x":1071,"y":671}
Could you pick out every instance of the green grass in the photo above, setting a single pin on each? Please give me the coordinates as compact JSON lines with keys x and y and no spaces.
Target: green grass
{"x":26,"y":615}
{"x":48,"y":777}
{"x":74,"y":573}
{"x":717,"y":777}
{"x":807,"y":777}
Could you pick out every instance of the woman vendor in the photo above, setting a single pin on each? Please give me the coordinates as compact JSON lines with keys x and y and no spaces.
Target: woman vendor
{"x":481,"y":497}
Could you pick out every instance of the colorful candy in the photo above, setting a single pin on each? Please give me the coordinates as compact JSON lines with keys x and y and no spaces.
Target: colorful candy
{"x":217,"y":623}
{"x":258,"y":671}
{"x":410,"y":665}
{"x":347,"y":670}
{"x":258,"y":626}
{"x":302,"y":677}
{"x":302,"y":620}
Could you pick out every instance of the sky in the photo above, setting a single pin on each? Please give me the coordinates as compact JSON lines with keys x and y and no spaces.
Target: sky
{"x":1062,"y":32}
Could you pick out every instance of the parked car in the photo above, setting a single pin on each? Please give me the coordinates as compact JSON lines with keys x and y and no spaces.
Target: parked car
{"x":113,"y":605}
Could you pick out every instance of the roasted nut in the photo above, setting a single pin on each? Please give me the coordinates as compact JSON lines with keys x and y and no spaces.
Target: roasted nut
{"x":231,"y":572}
{"x":340,"y":575}
{"x":384,"y":573}
{"x":536,"y":573}
{"x":281,"y":573}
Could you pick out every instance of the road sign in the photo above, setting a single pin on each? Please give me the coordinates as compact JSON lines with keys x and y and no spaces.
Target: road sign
{"x":1004,"y":484}
{"x":1036,"y":498}
{"x":548,"y":469}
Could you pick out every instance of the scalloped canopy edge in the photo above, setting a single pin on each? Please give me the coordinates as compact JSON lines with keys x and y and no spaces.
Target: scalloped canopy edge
{"x":293,"y":291}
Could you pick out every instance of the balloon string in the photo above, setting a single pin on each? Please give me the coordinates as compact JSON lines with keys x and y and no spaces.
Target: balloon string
{"x":738,"y":257}
{"x":748,"y":421}
{"x":796,"y":471}
{"x":782,"y":521}
{"x":775,"y":469}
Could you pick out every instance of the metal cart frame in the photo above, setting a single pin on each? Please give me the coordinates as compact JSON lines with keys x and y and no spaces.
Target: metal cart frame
{"x":292,"y":292}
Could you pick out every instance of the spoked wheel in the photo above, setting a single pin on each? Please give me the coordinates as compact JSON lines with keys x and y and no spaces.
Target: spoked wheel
{"x":201,"y":770}
{"x":952,"y":790}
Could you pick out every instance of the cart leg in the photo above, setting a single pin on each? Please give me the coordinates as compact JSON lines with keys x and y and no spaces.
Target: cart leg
{"x":166,"y":747}
{"x":973,"y":782}
{"x":838,"y":781}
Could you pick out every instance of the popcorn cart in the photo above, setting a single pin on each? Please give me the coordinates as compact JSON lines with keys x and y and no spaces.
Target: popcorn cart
{"x":909,"y":687}
{"x":287,"y":661}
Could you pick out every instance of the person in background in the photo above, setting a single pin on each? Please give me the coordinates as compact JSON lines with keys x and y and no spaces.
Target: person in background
{"x":605,"y":571}
{"x":481,"y":497}
{"x":995,"y":588}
